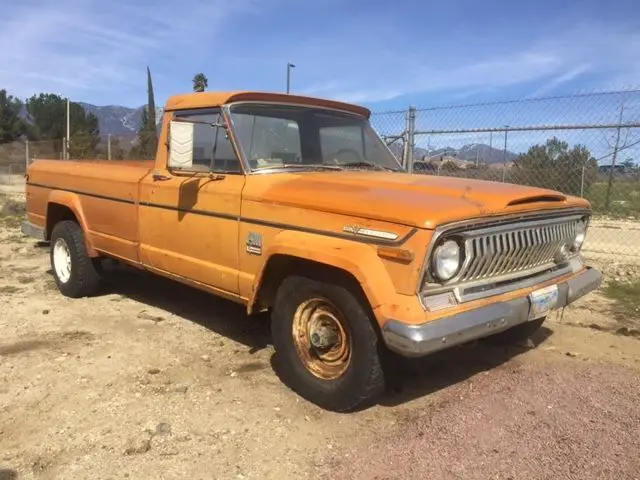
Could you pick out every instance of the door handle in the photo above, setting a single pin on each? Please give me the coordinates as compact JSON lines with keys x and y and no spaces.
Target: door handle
{"x":157,"y":176}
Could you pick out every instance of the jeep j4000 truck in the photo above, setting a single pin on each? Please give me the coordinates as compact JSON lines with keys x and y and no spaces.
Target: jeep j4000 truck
{"x":293,"y":205}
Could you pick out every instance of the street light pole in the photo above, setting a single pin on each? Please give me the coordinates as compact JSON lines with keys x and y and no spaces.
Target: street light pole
{"x":67,"y":142}
{"x":289,"y":67}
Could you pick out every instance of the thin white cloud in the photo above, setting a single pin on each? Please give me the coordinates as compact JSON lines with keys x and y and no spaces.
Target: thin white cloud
{"x":489,"y":73}
{"x":76,"y":47}
{"x":87,"y":49}
{"x":606,"y":51}
{"x":561,"y":79}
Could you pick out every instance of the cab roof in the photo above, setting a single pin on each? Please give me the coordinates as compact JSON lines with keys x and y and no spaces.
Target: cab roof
{"x":217,"y":99}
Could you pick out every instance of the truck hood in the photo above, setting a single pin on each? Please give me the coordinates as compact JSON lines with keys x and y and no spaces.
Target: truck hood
{"x":423,"y":201}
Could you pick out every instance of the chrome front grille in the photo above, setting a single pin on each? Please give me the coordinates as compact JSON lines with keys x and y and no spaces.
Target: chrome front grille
{"x":516,"y":250}
{"x":505,"y":254}
{"x":506,"y":251}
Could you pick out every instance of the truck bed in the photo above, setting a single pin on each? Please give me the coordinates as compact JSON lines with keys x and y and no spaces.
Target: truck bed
{"x":107,"y":190}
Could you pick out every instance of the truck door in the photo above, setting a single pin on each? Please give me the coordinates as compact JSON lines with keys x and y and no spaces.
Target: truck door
{"x":189,"y":221}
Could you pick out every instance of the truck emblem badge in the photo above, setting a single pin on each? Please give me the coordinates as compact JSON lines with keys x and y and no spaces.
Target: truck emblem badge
{"x":369,"y":232}
{"x":254,"y":243}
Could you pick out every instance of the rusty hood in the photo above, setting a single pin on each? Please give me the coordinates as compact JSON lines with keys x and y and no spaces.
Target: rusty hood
{"x":422,"y":201}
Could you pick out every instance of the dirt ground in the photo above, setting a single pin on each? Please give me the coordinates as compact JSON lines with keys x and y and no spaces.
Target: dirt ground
{"x":155,"y":380}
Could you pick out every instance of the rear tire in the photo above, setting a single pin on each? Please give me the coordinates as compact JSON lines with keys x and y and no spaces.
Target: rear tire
{"x":74,"y":271}
{"x":328,"y":349}
{"x":516,"y":334}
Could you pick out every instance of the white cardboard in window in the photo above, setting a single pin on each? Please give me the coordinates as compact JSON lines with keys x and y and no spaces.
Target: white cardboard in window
{"x":181,"y":145}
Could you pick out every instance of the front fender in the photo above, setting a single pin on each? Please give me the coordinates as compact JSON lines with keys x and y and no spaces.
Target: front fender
{"x":72,"y":202}
{"x":359,"y":259}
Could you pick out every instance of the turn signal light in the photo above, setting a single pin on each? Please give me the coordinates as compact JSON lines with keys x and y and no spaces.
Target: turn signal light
{"x":398,"y":254}
{"x":439,"y":302}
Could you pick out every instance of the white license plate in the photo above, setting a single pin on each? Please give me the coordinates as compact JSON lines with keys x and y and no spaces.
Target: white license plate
{"x":542,"y":301}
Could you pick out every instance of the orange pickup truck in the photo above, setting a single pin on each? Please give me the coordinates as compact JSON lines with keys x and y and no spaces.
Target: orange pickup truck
{"x":294,"y":206}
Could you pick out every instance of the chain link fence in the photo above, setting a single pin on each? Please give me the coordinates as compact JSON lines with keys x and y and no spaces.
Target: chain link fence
{"x":16,"y":156}
{"x":586,"y":145}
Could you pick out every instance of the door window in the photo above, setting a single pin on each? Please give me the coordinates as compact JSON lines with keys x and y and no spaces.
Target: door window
{"x":212,"y":148}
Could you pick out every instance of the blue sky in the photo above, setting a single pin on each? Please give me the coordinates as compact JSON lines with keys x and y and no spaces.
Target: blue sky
{"x":381,"y":54}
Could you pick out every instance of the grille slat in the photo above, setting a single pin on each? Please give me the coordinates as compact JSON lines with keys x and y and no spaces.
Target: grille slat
{"x":542,"y":243}
{"x":553,"y":244}
{"x":532,"y":248}
{"x":481,"y":260}
{"x":528,"y":237}
{"x":477,"y":254}
{"x":523,"y":251}
{"x":516,"y":255}
{"x":542,"y":246}
{"x":504,"y":257}
{"x":496,"y":256}
{"x":510,"y":251}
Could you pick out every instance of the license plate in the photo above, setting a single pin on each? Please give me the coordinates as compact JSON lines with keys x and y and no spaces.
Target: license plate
{"x":542,"y":301}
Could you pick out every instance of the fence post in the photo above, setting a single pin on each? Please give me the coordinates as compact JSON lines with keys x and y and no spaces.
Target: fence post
{"x":607,"y":200}
{"x":109,"y":147}
{"x":582,"y":182}
{"x":504,"y":157}
{"x":26,"y":156}
{"x":409,"y":139}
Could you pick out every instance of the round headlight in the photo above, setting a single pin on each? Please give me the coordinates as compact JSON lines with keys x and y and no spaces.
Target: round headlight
{"x":581,"y":233}
{"x":446,"y":260}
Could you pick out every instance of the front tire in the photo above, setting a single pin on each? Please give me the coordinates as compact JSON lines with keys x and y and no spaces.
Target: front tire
{"x":74,"y":271}
{"x":328,"y":349}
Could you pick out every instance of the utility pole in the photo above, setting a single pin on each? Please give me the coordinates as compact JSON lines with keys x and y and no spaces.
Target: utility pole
{"x":67,"y":142}
{"x":289,"y":67}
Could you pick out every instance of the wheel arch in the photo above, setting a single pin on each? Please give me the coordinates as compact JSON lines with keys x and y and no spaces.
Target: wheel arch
{"x":66,"y":206}
{"x":353,"y":264}
{"x":280,"y":266}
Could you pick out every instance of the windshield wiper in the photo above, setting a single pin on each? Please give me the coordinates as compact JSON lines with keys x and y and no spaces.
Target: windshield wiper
{"x":367,"y":165}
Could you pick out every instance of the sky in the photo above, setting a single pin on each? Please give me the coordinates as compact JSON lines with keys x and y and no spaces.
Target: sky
{"x":385,"y":55}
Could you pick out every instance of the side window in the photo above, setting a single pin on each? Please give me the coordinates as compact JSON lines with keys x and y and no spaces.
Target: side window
{"x":212,"y":149}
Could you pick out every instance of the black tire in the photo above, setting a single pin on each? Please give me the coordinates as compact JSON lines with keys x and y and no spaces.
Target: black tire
{"x":516,"y":334}
{"x":363,"y":380}
{"x":84,"y":279}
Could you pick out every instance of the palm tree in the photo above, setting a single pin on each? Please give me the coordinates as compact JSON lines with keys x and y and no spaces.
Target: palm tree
{"x":200,"y":82}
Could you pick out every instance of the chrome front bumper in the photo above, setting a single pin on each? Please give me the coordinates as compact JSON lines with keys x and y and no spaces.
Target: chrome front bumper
{"x":429,"y":337}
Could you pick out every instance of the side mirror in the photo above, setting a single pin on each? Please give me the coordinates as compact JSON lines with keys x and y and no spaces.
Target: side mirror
{"x":180,"y":145}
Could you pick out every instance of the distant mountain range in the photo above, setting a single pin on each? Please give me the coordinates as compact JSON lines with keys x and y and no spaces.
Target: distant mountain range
{"x":117,"y":120}
{"x":480,"y":151}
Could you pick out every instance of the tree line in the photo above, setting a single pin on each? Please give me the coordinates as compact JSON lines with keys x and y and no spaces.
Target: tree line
{"x":43,"y":117}
{"x":552,"y":165}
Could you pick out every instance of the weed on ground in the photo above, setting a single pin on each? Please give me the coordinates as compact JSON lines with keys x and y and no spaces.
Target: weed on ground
{"x":626,"y":295}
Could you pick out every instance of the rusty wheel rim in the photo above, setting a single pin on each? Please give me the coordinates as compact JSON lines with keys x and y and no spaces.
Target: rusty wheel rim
{"x":321,"y":338}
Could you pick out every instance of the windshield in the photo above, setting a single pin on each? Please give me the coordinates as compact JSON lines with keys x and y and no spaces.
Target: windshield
{"x":287,"y":136}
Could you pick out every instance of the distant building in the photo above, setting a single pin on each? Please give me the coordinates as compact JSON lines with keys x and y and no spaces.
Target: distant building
{"x":616,"y":169}
{"x":437,"y":161}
